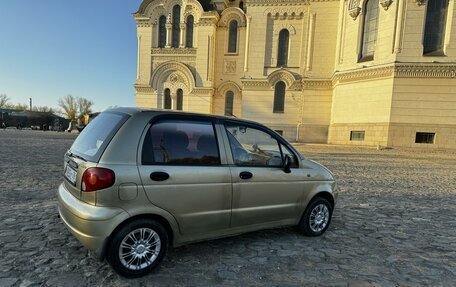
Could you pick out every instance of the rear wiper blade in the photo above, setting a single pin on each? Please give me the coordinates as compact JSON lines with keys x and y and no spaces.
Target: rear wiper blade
{"x":70,"y":154}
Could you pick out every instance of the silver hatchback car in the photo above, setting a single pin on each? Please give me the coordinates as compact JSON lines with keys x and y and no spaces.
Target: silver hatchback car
{"x":138,"y":181}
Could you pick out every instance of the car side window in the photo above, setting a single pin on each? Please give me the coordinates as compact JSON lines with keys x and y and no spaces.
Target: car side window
{"x":253,"y":147}
{"x":181,"y":142}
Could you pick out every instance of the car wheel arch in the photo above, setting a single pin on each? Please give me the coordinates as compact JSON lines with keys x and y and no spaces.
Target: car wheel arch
{"x":155,"y":217}
{"x":326,"y":195}
{"x":323,"y":194}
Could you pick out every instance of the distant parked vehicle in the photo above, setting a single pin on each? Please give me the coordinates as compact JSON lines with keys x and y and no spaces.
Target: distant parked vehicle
{"x":137,"y":181}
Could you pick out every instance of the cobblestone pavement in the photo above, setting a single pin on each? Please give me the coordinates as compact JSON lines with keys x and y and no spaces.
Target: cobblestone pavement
{"x":394,"y":225}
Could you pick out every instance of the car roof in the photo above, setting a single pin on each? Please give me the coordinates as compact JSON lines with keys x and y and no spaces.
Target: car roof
{"x":156,"y":112}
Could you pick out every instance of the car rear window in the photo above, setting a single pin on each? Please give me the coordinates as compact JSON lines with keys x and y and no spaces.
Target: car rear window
{"x":92,"y":141}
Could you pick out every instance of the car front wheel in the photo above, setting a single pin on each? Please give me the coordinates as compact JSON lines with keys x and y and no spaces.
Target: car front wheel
{"x":137,"y":248}
{"x":316,"y":217}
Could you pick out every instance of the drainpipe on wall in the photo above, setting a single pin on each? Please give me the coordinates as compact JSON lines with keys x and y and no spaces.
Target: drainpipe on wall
{"x":297,"y":131}
{"x":300,"y":112}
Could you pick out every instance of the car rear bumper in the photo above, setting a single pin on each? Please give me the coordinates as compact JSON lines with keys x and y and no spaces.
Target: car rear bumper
{"x":90,"y":224}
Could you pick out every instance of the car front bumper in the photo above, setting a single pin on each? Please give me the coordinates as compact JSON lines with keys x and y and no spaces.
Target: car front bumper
{"x":90,"y":224}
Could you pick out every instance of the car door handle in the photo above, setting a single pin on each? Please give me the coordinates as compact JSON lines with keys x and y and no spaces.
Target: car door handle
{"x":245,"y":175}
{"x":159,"y":176}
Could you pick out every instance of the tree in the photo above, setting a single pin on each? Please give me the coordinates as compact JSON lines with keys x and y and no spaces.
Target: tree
{"x":84,"y":107}
{"x":4,"y":101}
{"x":74,"y":108}
{"x":44,"y":109}
{"x":21,"y":107}
{"x":69,"y":107}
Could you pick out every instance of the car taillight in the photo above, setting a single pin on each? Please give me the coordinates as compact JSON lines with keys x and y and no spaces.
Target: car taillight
{"x":96,"y":178}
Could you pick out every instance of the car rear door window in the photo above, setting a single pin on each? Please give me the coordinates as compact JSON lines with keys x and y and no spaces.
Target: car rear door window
{"x":181,"y":142}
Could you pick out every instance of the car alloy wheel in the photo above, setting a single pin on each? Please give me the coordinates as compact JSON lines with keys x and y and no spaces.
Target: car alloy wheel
{"x":316,"y":217}
{"x":137,"y":247}
{"x":319,"y":218}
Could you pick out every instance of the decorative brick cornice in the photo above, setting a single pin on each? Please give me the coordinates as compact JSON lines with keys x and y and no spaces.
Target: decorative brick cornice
{"x":364,"y":74}
{"x":143,"y":22}
{"x":144,"y":89}
{"x":255,"y":84}
{"x":425,"y":70}
{"x":174,"y":51}
{"x":284,"y":2}
{"x":398,"y":70}
{"x":282,"y":13}
{"x":317,"y":84}
{"x":203,"y":91}
{"x":268,"y":83}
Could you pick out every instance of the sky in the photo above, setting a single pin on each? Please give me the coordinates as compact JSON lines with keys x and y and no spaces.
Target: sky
{"x":53,"y":48}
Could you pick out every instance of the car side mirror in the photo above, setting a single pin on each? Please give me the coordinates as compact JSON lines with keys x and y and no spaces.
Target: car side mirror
{"x":287,"y":164}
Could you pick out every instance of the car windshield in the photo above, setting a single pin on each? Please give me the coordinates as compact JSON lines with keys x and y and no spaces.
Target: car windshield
{"x":96,"y":135}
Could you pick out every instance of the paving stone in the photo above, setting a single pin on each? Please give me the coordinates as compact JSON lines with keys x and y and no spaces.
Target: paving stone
{"x":26,"y":283}
{"x":7,"y":282}
{"x":228,"y":275}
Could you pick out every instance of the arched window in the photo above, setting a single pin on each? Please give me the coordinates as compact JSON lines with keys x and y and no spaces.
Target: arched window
{"x":434,"y":31}
{"x":180,"y":99}
{"x":189,"y":30}
{"x":162,"y":31}
{"x":168,"y":101}
{"x":279,"y":97}
{"x":229,"y":103}
{"x":282,"y":54}
{"x":370,"y":28}
{"x":232,"y":37}
{"x":176,"y":27}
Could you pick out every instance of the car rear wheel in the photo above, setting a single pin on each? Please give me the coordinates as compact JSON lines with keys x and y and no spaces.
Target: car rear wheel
{"x":137,"y":248}
{"x":316,"y":217}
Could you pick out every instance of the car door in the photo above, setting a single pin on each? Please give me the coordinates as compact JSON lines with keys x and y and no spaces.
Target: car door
{"x":182,"y":172}
{"x":262,"y":191}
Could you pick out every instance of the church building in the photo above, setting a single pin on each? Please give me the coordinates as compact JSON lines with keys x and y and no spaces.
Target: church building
{"x":352,"y":72}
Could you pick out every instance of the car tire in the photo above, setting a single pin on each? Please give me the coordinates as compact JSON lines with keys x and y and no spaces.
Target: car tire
{"x":316,"y":217}
{"x":137,"y":248}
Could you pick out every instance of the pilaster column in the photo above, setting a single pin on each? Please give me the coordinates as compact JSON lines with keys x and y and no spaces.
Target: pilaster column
{"x":169,"y":29}
{"x":247,"y":42}
{"x":154,"y":34}
{"x":310,"y":40}
{"x":399,"y":27}
{"x":139,"y":59}
{"x":173,"y":101}
{"x":182,"y":35}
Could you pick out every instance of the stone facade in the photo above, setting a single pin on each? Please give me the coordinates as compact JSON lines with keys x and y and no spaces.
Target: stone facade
{"x":330,"y":91}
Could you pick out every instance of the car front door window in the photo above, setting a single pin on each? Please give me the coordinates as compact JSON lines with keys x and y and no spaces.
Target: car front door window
{"x":253,"y":147}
